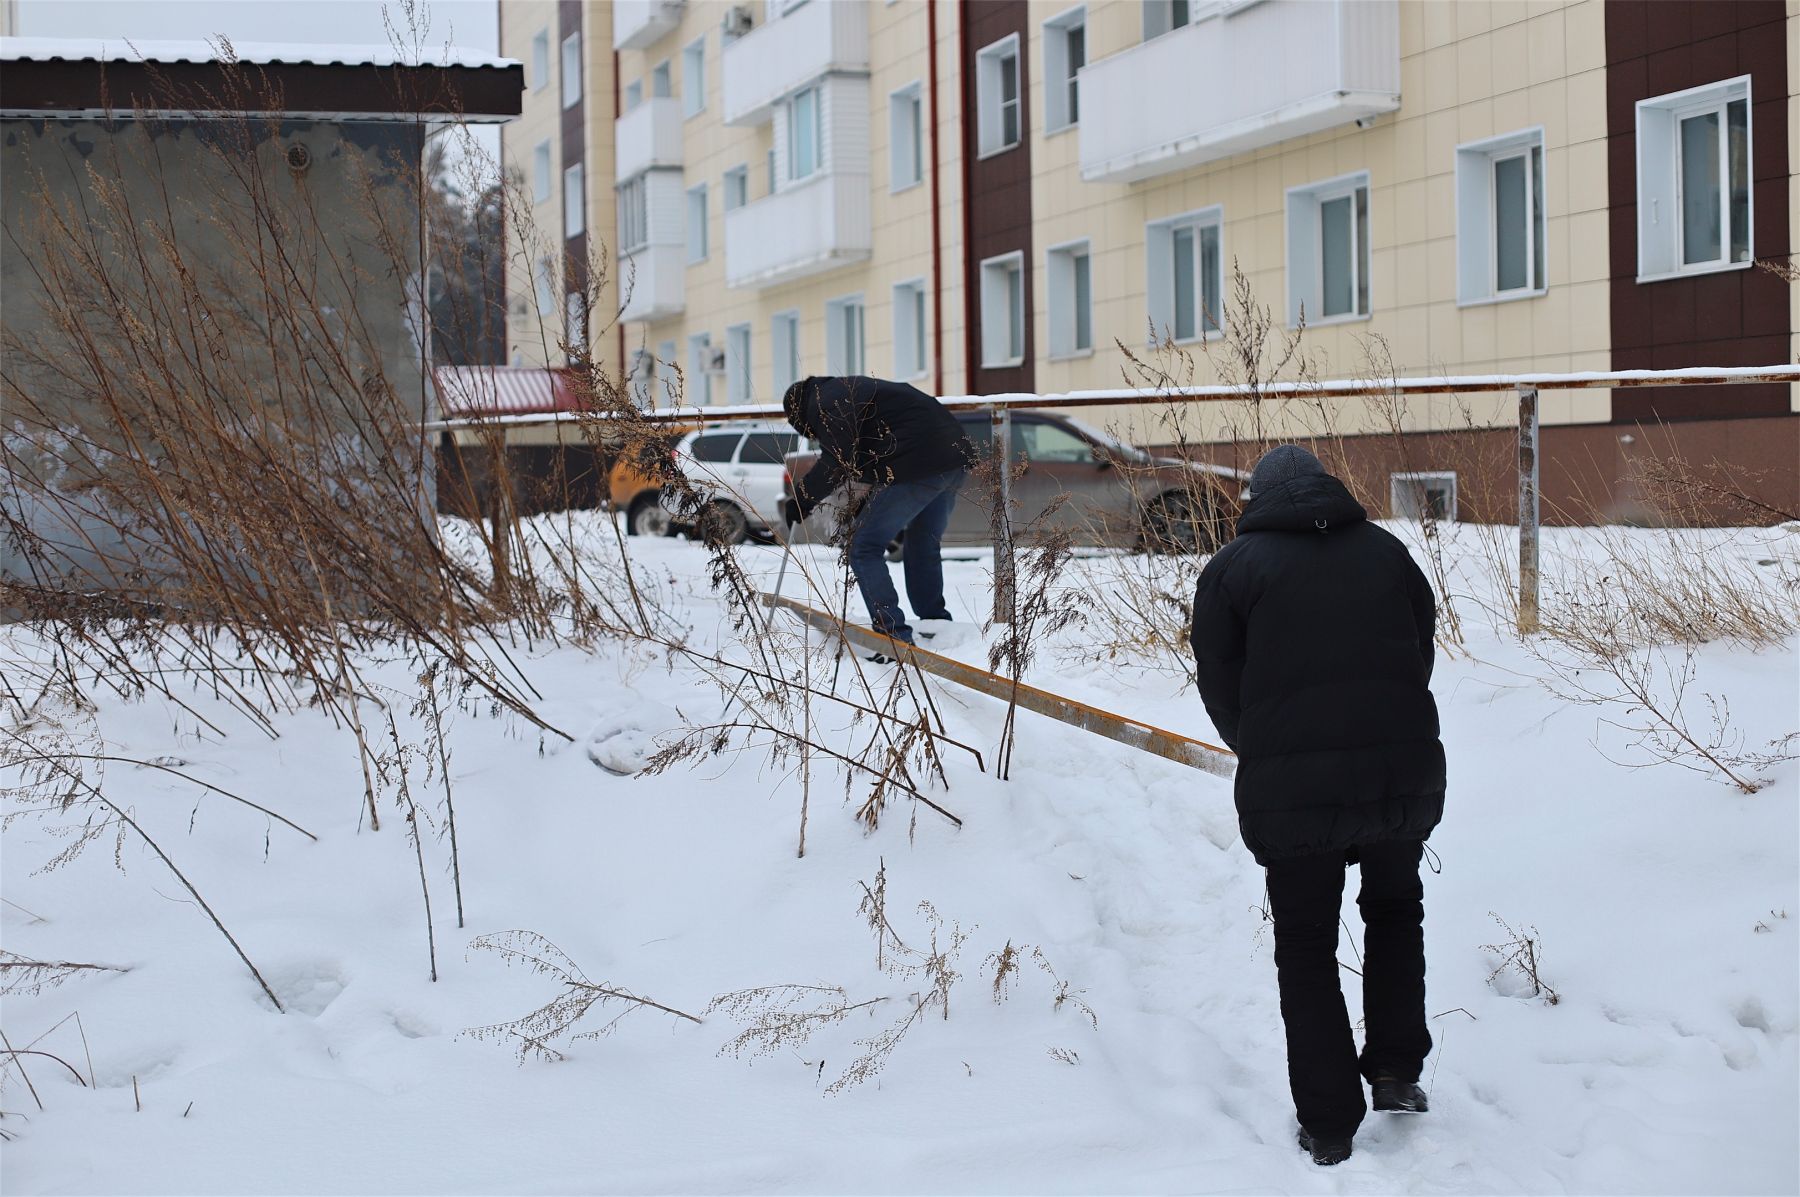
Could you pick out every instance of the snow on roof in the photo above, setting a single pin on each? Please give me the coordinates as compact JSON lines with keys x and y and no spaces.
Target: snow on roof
{"x":118,"y":49}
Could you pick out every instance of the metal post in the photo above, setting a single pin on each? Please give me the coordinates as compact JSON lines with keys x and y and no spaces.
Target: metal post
{"x":1001,"y":421}
{"x":1528,"y":509}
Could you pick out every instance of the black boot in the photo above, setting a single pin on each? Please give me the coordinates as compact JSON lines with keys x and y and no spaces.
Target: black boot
{"x":1325,"y":1151}
{"x":1394,"y":1096}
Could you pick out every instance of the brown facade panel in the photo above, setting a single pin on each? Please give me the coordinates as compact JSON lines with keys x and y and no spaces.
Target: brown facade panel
{"x":999,"y":188}
{"x":1736,"y":317}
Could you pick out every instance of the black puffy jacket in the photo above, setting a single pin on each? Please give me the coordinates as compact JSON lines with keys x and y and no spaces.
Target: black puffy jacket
{"x":876,"y":432}
{"x":1312,"y":636}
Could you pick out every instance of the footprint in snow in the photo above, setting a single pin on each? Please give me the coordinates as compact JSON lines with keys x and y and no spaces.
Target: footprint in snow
{"x":624,"y":744}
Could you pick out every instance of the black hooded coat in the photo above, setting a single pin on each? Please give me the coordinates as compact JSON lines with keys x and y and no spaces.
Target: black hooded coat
{"x":1312,"y":636}
{"x":873,"y":431}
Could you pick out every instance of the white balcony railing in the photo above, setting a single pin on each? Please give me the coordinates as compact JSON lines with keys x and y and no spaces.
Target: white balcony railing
{"x":819,"y":225}
{"x":784,"y":54}
{"x":638,"y":23}
{"x":649,"y":135}
{"x":653,"y":282}
{"x":1240,"y":78}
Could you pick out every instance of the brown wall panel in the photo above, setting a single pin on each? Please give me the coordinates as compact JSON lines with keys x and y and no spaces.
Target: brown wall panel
{"x":999,"y":195}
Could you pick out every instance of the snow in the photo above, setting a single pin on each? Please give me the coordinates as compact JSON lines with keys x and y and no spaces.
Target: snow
{"x":198,"y":50}
{"x":1665,"y":901}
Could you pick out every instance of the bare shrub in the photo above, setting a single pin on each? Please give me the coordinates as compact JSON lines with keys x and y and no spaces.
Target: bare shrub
{"x":1519,"y":956}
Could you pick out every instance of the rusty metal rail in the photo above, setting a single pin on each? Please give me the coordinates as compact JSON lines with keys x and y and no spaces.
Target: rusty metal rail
{"x":1196,"y":754}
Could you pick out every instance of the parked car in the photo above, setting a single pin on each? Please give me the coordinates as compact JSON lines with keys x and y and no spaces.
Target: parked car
{"x":738,"y":468}
{"x":635,"y":484}
{"x":1117,"y":495}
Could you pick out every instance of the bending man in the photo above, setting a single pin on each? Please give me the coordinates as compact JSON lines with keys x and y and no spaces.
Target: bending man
{"x":1313,"y":640}
{"x":901,"y":442}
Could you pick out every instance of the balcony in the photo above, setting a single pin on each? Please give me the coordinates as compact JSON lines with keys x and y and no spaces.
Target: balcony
{"x":785,"y":54}
{"x":639,"y":23}
{"x":653,"y":281}
{"x":649,"y":135}
{"x":816,"y":226}
{"x":1240,"y":78}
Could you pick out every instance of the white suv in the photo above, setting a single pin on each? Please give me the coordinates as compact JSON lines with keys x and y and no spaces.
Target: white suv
{"x":739,"y":466}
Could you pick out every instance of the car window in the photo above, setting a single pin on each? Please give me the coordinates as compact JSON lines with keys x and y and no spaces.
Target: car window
{"x":767,"y":448}
{"x":1051,"y":443}
{"x":980,"y":433}
{"x":716,"y":447}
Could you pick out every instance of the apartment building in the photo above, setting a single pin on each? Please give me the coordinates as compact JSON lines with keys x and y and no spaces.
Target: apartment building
{"x":996,"y":196}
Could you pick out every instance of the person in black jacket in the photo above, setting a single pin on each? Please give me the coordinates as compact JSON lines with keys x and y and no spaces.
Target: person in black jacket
{"x":900,"y":441}
{"x":1312,"y":639}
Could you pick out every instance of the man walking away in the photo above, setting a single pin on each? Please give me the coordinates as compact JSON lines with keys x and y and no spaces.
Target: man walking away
{"x":900,"y":441}
{"x":1313,"y":641}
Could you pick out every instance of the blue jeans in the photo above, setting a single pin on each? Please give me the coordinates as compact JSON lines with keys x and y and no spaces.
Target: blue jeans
{"x":922,"y":509}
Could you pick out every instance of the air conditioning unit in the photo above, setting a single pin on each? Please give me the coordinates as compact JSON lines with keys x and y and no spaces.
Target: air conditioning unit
{"x":737,"y":21}
{"x":715,"y":361}
{"x":643,"y":365}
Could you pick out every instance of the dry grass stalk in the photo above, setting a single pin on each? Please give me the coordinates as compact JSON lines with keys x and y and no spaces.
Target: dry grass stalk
{"x":1521,"y":953}
{"x":25,"y":977}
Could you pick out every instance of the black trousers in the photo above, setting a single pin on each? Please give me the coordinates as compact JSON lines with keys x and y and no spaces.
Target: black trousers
{"x":1324,"y":1070}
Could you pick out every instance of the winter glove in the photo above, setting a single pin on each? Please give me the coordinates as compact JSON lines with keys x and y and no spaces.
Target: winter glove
{"x":790,"y":512}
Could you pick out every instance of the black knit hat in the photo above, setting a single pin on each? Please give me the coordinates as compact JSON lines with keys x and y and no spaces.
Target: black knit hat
{"x":1283,"y":463}
{"x":791,"y":401}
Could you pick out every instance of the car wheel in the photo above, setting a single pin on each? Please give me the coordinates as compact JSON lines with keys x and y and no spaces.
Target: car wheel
{"x":722,"y":523}
{"x":1177,"y":522}
{"x":648,"y":518}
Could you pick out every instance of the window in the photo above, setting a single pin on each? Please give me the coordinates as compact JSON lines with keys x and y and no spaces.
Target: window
{"x":697,"y":244}
{"x":715,"y":447}
{"x":1694,"y":203}
{"x":1038,"y":441}
{"x":661,"y":83}
{"x":844,"y":336}
{"x":906,"y":140}
{"x":1071,"y":300}
{"x":1500,"y":218}
{"x":1185,"y":274}
{"x":540,"y":172}
{"x":767,"y":448}
{"x":737,"y":187}
{"x":1003,"y":310}
{"x":693,"y":78}
{"x":738,"y":387}
{"x":1427,"y":495}
{"x":571,"y":70}
{"x":665,"y":372}
{"x":634,"y":215}
{"x":1065,"y":53}
{"x":997,"y":96}
{"x":1160,"y":16}
{"x":909,"y":329}
{"x":699,"y":379}
{"x":1328,"y":250}
{"x":575,"y":324}
{"x":784,"y":351}
{"x":803,"y":134}
{"x":540,"y":60}
{"x":634,"y":94}
{"x":574,"y":201}
{"x":545,"y":281}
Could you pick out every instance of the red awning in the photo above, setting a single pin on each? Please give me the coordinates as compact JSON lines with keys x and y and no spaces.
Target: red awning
{"x":465,"y":391}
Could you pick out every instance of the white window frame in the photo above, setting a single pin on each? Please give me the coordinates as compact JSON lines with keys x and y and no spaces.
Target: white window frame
{"x":1659,"y":187}
{"x":540,"y":59}
{"x":784,"y":350}
{"x":906,"y":138}
{"x":541,"y":172}
{"x":740,"y":387}
{"x":693,"y":78}
{"x":1065,"y":311}
{"x":574,"y":200}
{"x":571,"y":70}
{"x":1062,"y":89}
{"x":544,"y":283}
{"x":910,"y":340}
{"x":634,"y":214}
{"x":1397,"y":488}
{"x":740,"y":176}
{"x":812,"y":136}
{"x":662,"y":81}
{"x":846,"y":336}
{"x":1159,"y":274}
{"x":1477,"y":230}
{"x":1306,"y":250}
{"x":1004,"y":310}
{"x":699,"y":239}
{"x":699,"y":346}
{"x":990,"y":109}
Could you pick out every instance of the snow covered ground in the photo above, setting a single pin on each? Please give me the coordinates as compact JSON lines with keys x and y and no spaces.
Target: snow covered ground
{"x":1664,"y":902}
